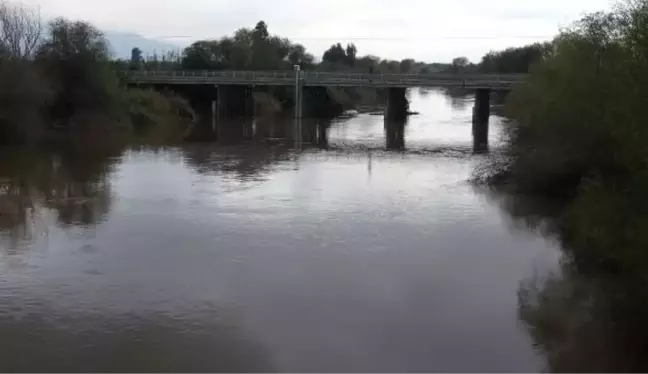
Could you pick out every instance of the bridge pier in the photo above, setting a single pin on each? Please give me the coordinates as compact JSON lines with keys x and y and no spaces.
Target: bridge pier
{"x":481,"y":114}
{"x":394,"y":134}
{"x":397,"y":106}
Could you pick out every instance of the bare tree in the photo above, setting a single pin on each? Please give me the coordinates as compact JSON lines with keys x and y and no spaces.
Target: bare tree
{"x":20,"y":30}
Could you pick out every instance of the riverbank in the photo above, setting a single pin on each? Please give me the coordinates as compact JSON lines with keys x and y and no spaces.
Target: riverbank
{"x":576,"y":137}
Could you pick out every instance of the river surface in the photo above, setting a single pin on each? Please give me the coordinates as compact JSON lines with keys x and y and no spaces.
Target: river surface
{"x":251,"y":254}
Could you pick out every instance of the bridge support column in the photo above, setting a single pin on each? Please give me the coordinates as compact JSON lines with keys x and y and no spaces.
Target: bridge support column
{"x":299,"y":98}
{"x":481,"y":114}
{"x":216,"y":108}
{"x":397,"y":106}
{"x":394,"y":134}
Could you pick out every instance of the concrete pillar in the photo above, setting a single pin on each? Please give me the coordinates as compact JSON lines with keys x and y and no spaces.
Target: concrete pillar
{"x":396,"y":106}
{"x":213,"y":115}
{"x":250,"y":102}
{"x":395,"y":134}
{"x":482,"y":104}
{"x":299,"y":94}
{"x":481,"y":114}
{"x":322,"y":133}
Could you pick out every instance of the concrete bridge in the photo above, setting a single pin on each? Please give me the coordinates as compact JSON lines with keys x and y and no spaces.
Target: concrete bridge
{"x":324,"y":79}
{"x":395,"y":84}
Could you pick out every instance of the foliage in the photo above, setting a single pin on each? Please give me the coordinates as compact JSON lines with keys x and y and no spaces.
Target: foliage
{"x":75,"y":59}
{"x":159,"y":117}
{"x":22,"y":99}
{"x":63,"y":83}
{"x":247,"y":49}
{"x":514,"y":59}
{"x":339,"y":55}
{"x":136,"y":59}
{"x":578,"y":133}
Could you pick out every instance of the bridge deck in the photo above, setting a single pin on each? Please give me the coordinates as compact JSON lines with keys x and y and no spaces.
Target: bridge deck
{"x":307,"y":78}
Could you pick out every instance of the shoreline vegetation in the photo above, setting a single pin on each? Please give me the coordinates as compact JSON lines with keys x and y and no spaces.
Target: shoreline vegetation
{"x":576,"y":138}
{"x":59,"y":86}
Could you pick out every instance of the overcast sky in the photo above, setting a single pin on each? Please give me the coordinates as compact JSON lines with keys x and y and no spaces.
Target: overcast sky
{"x":430,"y":30}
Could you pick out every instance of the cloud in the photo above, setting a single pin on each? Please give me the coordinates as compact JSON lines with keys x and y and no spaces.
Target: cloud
{"x":422,"y":29}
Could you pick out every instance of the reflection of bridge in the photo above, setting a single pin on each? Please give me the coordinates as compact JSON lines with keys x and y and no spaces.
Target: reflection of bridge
{"x":307,"y":78}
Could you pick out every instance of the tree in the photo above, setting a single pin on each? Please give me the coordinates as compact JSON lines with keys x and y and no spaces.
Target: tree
{"x":136,"y":59}
{"x":514,"y":60}
{"x":202,"y":55}
{"x":261,"y":31}
{"x":75,"y":57}
{"x":459,"y":64}
{"x":407,"y":65}
{"x":335,"y":54}
{"x":299,"y":56}
{"x":20,"y":30}
{"x":351,"y":52}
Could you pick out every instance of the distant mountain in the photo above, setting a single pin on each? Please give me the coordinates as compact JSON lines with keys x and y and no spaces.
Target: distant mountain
{"x":122,"y":43}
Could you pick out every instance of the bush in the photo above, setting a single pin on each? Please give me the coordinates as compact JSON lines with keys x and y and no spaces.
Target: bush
{"x":578,"y":132}
{"x":158,"y":116}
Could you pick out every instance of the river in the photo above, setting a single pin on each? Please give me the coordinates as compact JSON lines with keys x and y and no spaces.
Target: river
{"x":254,"y":255}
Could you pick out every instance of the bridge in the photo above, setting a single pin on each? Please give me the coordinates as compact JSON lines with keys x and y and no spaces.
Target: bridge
{"x":395,"y":85}
{"x":324,"y":79}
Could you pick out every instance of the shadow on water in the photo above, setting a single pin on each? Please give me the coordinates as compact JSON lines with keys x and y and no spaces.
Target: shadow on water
{"x":64,"y":341}
{"x":580,"y":321}
{"x":74,"y":186}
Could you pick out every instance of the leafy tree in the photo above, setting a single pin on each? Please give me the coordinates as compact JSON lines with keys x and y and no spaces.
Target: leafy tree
{"x":460,"y":63}
{"x":335,"y":54}
{"x":75,"y":57}
{"x":261,"y":31}
{"x":407,"y":65}
{"x":514,"y":60}
{"x":136,"y":59}
{"x":299,"y":56}
{"x":202,"y":55}
{"x":351,"y":52}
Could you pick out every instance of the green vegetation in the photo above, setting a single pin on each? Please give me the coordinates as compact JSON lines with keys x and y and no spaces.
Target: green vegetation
{"x":58,"y":82}
{"x":577,"y":136}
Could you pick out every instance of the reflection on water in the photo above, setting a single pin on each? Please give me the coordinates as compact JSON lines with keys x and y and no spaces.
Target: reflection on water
{"x":580,"y":321}
{"x":72,"y":186}
{"x":360,"y":248}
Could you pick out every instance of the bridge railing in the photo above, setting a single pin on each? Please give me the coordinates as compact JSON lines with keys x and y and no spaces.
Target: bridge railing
{"x":326,"y":77}
{"x":230,"y":74}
